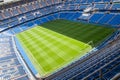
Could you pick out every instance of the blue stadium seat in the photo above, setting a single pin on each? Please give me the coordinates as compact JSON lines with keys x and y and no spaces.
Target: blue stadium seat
{"x":95,"y":17}
{"x":22,"y":9}
{"x":7,"y":14}
{"x":1,"y":17}
{"x":100,"y":6}
{"x":116,"y":6}
{"x":16,"y":30}
{"x":115,"y":21}
{"x":15,"y":11}
{"x":106,"y":18}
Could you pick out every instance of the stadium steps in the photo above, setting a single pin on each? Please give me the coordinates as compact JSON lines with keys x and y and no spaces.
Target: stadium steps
{"x":104,"y":69}
{"x":91,"y":70}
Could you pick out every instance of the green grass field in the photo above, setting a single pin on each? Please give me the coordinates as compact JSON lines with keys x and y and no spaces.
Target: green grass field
{"x":80,"y":31}
{"x":56,"y":44}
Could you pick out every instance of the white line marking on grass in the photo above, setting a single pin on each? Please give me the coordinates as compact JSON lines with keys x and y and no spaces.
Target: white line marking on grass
{"x":60,"y":40}
{"x":33,"y":35}
{"x":49,"y":45}
{"x":25,"y":36}
{"x":45,"y":42}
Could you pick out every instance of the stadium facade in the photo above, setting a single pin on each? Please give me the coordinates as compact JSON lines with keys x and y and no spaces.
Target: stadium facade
{"x":102,"y":62}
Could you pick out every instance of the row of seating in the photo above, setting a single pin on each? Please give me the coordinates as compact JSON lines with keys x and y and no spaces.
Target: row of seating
{"x":98,"y":65}
{"x":24,"y":17}
{"x":99,"y":6}
{"x":14,"y":3}
{"x":24,"y":2}
{"x":23,"y":8}
{"x":92,"y":1}
{"x":36,"y":4}
{"x":110,"y":69}
{"x":114,"y":6}
{"x":32,"y":6}
{"x":108,"y":19}
{"x":10,"y":67}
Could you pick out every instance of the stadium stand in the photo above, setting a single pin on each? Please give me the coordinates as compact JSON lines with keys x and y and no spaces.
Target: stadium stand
{"x":19,"y":16}
{"x":14,"y":69}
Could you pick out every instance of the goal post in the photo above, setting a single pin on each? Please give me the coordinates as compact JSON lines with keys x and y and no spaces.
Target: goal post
{"x":91,"y":43}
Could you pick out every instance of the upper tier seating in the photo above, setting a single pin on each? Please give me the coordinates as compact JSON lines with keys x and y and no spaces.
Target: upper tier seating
{"x":116,"y":6}
{"x":15,"y":10}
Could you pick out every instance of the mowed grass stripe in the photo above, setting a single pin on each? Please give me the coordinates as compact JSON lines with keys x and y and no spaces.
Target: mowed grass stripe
{"x":44,"y":41}
{"x":40,"y":39}
{"x":57,"y":38}
{"x":63,"y":47}
{"x":66,"y":44}
{"x":80,"y":31}
{"x":50,"y":39}
{"x":47,"y":60}
{"x":56,"y":49}
{"x":52,"y":49}
{"x":29,"y":49}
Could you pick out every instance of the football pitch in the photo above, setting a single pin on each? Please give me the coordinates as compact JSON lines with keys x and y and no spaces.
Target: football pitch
{"x":54,"y":45}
